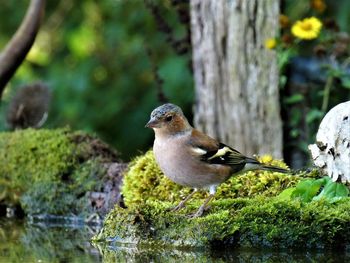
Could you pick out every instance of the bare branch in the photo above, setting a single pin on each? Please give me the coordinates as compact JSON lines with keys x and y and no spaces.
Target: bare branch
{"x":21,"y":42}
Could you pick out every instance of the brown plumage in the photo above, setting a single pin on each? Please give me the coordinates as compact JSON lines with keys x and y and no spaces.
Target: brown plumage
{"x":29,"y":107}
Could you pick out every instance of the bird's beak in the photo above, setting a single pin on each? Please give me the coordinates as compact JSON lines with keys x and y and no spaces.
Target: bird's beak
{"x":152,"y":123}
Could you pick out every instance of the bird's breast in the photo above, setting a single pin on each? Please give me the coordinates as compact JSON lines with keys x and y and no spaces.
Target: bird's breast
{"x":184,"y":168}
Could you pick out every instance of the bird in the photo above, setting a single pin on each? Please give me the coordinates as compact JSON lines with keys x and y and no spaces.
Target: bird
{"x":29,"y":107}
{"x":193,"y":159}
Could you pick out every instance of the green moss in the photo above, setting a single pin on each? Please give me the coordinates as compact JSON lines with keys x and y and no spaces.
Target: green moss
{"x":49,"y":171}
{"x":247,"y":211}
{"x":293,"y":224}
{"x":246,"y":222}
{"x":145,"y":181}
{"x":20,"y":153}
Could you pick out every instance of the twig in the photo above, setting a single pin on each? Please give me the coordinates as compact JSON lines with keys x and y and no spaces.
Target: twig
{"x":326,"y":92}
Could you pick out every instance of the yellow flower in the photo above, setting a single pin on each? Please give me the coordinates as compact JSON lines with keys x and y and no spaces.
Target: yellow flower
{"x":308,"y":29}
{"x":270,"y":43}
{"x":265,"y":159}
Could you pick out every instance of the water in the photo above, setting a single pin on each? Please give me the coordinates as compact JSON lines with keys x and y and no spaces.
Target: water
{"x":21,"y":241}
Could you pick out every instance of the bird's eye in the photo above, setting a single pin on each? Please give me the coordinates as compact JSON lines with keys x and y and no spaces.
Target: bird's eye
{"x":168,"y":118}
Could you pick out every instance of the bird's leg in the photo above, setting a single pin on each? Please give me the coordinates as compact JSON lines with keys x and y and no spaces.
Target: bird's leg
{"x":183,"y":202}
{"x":204,"y":207}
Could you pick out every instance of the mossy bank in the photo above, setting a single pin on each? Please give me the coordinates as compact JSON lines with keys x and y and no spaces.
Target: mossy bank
{"x":248,"y":211}
{"x":52,"y":171}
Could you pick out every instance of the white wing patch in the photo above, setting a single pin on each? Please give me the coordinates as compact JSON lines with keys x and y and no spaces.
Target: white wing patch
{"x":221,"y":152}
{"x":199,"y":151}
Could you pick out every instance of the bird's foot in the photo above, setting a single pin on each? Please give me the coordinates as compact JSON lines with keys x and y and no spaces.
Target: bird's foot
{"x":202,"y":209}
{"x":183,"y":202}
{"x":177,"y":208}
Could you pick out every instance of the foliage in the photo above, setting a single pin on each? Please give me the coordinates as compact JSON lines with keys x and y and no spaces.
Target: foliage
{"x":310,"y":190}
{"x":105,"y":65}
{"x":50,"y":171}
{"x":314,"y":66}
{"x":250,"y":210}
{"x":144,"y":181}
{"x":246,"y":222}
{"x":103,"y":62}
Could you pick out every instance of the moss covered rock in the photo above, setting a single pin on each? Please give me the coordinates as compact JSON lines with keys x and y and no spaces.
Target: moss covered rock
{"x":144,"y":181}
{"x":51,"y":171}
{"x":246,"y":222}
{"x":247,"y":211}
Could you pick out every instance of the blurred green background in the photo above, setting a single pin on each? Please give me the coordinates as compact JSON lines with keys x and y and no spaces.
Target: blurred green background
{"x":106,"y":60}
{"x":102,"y":59}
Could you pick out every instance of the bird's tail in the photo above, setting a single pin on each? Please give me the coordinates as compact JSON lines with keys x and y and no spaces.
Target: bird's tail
{"x":256,"y":165}
{"x":274,"y":169}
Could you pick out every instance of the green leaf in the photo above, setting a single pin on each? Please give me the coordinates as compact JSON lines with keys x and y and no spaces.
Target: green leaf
{"x":306,"y":190}
{"x":296,"y":117}
{"x":287,"y":193}
{"x":284,"y":56}
{"x":333,"y":192}
{"x":294,"y":98}
{"x":82,"y":41}
{"x":313,"y":114}
{"x":335,"y":72}
{"x":283,"y":81}
{"x":294,"y":133}
{"x":345,"y":81}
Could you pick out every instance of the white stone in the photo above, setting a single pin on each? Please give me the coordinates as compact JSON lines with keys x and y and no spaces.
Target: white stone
{"x":331,"y":152}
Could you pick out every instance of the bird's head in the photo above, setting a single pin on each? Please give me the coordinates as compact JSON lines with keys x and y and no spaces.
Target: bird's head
{"x":168,"y":119}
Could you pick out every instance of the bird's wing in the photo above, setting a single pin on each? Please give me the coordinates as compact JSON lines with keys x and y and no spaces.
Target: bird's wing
{"x":213,"y":152}
{"x":202,"y":143}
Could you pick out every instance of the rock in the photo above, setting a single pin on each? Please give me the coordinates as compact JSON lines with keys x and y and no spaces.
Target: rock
{"x":58,"y":172}
{"x":331,"y":152}
{"x":247,"y":212}
{"x":105,"y":200}
{"x":145,"y":181}
{"x":257,"y":222}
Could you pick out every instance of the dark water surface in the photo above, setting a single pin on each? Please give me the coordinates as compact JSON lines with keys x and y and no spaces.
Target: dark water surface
{"x":21,"y":241}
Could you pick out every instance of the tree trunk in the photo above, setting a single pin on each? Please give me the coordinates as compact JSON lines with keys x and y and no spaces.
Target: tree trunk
{"x":237,"y":98}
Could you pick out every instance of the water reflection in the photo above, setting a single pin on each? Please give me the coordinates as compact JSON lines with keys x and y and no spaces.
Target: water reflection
{"x":140,"y":255}
{"x":27,"y":242}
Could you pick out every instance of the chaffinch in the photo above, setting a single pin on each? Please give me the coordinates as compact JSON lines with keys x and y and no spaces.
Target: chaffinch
{"x":191,"y":158}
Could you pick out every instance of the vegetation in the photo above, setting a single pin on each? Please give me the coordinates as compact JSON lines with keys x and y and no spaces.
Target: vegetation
{"x":101,"y":59}
{"x":256,"y":209}
{"x":246,"y":222}
{"x":107,"y":65}
{"x":317,"y":189}
{"x":144,"y":181}
{"x":51,"y":171}
{"x":313,"y":52}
